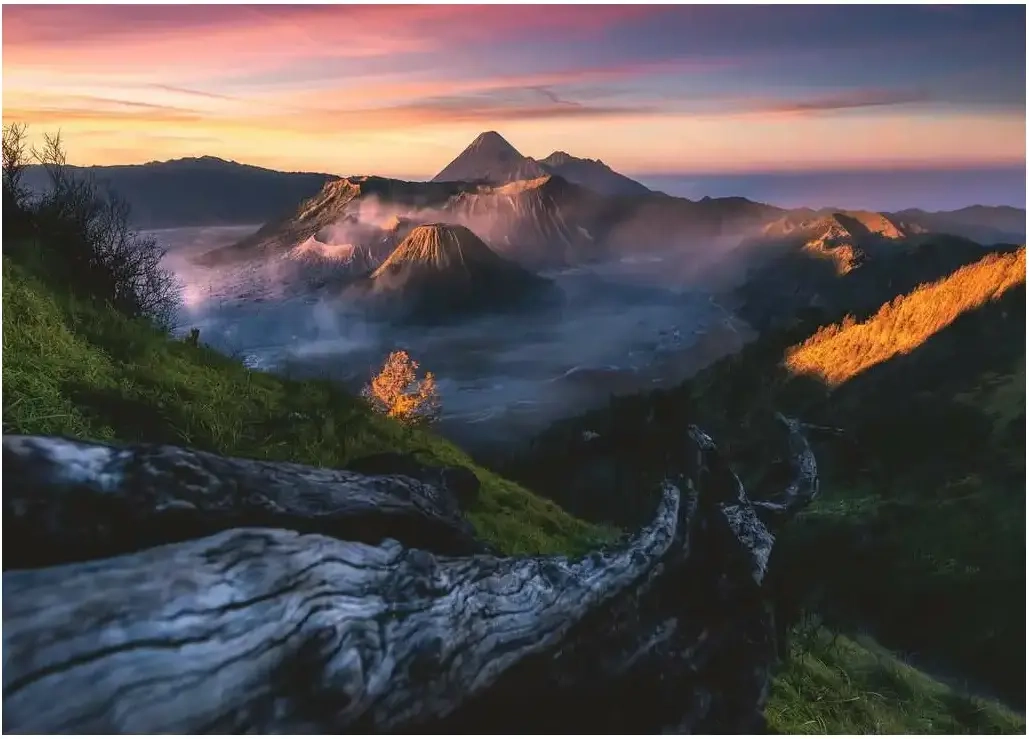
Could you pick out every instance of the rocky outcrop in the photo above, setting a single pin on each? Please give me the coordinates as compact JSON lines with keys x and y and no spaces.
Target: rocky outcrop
{"x":277,"y":629}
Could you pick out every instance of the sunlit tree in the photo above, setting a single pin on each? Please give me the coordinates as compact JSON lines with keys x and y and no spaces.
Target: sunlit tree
{"x":398,"y":393}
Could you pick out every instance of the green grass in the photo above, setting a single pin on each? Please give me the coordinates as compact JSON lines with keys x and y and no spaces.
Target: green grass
{"x":938,"y":571}
{"x":1001,"y":396}
{"x":76,"y":370}
{"x":834,"y":684}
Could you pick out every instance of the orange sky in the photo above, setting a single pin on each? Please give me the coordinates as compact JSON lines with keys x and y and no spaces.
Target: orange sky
{"x":399,"y":91}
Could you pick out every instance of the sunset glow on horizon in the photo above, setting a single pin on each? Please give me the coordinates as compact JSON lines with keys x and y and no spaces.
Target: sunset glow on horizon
{"x":400,"y":90}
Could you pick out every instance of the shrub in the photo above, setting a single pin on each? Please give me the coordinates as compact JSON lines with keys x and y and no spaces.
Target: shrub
{"x":79,"y":234}
{"x":398,"y":393}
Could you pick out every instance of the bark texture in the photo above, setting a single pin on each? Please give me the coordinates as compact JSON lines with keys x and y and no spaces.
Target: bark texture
{"x":67,"y":500}
{"x":263,"y":629}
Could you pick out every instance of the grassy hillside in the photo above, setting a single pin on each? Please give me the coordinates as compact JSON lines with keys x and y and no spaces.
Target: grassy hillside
{"x":835,"y":684}
{"x":919,"y":536}
{"x":838,"y":352}
{"x":72,"y":369}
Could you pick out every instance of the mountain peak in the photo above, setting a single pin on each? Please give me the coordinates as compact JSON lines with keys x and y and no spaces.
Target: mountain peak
{"x":558,"y":158}
{"x":491,"y":140}
{"x":490,"y":158}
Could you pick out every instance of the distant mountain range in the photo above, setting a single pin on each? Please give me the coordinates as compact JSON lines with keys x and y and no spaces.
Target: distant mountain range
{"x":558,"y":211}
{"x":204,"y":191}
{"x":544,"y":221}
{"x":985,"y":224}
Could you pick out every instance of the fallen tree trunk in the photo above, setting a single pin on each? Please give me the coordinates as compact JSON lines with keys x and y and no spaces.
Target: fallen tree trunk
{"x":68,"y":501}
{"x":266,"y":630}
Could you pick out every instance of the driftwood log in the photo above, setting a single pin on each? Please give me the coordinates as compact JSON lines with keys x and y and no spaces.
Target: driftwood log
{"x":263,"y":629}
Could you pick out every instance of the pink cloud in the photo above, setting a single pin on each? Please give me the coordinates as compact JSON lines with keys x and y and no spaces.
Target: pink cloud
{"x":397,"y":87}
{"x":202,"y":36}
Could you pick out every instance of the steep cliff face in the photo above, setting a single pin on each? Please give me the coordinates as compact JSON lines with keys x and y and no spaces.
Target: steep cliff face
{"x":542,"y":222}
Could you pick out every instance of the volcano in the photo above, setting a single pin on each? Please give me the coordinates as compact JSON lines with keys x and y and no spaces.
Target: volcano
{"x":443,"y":272}
{"x":490,"y":159}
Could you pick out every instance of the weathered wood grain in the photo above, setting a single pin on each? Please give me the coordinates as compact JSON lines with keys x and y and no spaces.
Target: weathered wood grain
{"x":67,"y":501}
{"x":267,"y":630}
{"x":196,"y":635}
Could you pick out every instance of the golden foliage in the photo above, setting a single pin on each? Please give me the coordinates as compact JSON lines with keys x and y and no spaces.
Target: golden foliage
{"x":398,"y":393}
{"x":838,"y":352}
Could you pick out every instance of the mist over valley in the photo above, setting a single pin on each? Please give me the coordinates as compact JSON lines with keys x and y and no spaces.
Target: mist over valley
{"x":620,"y":328}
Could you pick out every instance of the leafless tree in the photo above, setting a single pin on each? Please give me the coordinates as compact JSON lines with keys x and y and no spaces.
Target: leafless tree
{"x":99,"y":252}
{"x":15,"y":159}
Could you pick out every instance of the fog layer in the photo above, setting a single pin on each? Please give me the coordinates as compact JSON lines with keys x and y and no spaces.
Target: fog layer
{"x":502,"y":378}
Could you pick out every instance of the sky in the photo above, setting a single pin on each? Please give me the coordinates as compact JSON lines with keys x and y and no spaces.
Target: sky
{"x":400,"y":90}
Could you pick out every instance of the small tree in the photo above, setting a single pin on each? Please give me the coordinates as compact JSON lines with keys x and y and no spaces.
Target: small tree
{"x":17,"y":219}
{"x":15,"y":160}
{"x":398,"y":393}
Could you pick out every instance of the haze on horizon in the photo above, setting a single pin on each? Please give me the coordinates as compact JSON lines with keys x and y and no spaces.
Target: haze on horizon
{"x":399,"y":90}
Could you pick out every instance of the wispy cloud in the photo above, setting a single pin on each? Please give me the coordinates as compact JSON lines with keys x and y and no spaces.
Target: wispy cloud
{"x":194,"y":93}
{"x":843,"y":101}
{"x":481,"y":109}
{"x":60,"y":115}
{"x":104,"y":103}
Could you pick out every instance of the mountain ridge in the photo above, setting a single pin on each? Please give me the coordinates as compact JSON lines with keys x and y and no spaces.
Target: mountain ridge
{"x":592,"y":173}
{"x":198,"y":191}
{"x":544,"y":222}
{"x":208,"y":191}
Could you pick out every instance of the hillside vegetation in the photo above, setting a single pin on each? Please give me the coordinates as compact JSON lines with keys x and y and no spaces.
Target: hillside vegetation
{"x":838,"y":352}
{"x":918,"y":539}
{"x":836,"y":684}
{"x":79,"y":370}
